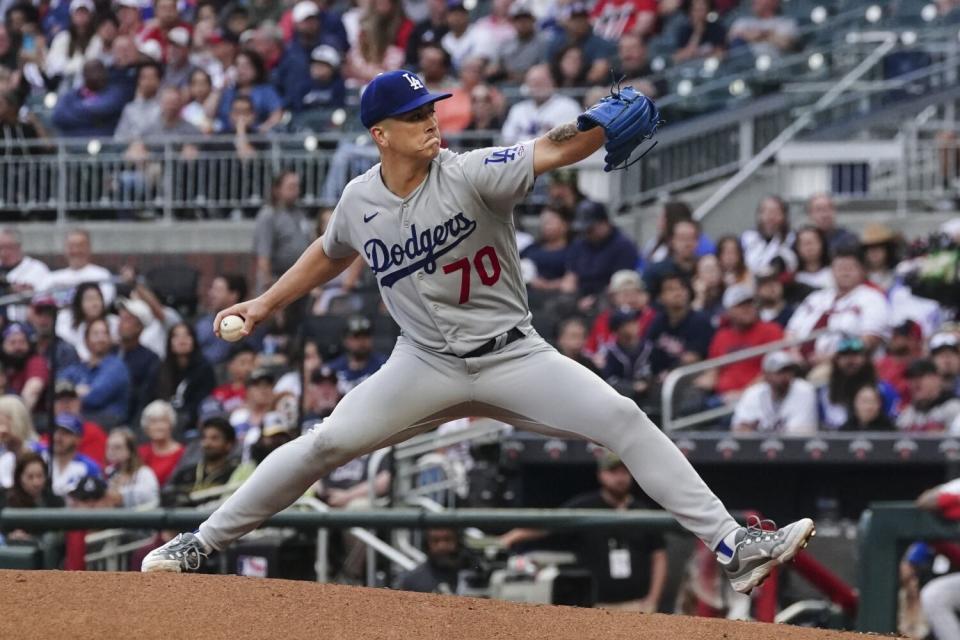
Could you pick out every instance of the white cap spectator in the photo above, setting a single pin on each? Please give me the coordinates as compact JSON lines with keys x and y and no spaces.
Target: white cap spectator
{"x":76,"y":5}
{"x":943,"y":341}
{"x":521,"y":8}
{"x":625,"y":279}
{"x":151,"y":49}
{"x":305,"y":9}
{"x":738,"y":294}
{"x":138,"y":309}
{"x":777,"y":361}
{"x":326,"y":53}
{"x":179,"y":36}
{"x":130,"y":4}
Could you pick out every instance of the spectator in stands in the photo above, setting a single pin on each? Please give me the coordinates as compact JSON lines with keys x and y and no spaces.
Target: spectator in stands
{"x":143,"y":364}
{"x":166,"y":18}
{"x":101,"y":379}
{"x":544,"y":109}
{"x":906,"y":345}
{"x":41,"y":316}
{"x":526,"y":48}
{"x":813,"y":259}
{"x":359,"y":360}
{"x":708,"y":288}
{"x":853,"y":307}
{"x":236,"y":20}
{"x":293,"y":71}
{"x":945,"y":353}
{"x":71,"y":48}
{"x":69,"y":467}
{"x":625,"y":293}
{"x":770,"y":297}
{"x":487,"y":107}
{"x":679,"y":335}
{"x":87,"y":305}
{"x":108,"y":28}
{"x":682,"y":257}
{"x":282,"y":230}
{"x":218,"y":56}
{"x":765,"y":32}
{"x":732,"y":264}
{"x":122,"y":72}
{"x":546,"y":259}
{"x":697,"y":36}
{"x":129,"y":17}
{"x":186,"y":378}
{"x":321,"y":396}
{"x":772,"y":240}
{"x":17,"y":436}
{"x":232,"y":394}
{"x":131,"y":484}
{"x":932,"y":408}
{"x":569,"y":68}
{"x":434,"y":66}
{"x":578,"y":31}
{"x":879,"y":245}
{"x":258,"y":401}
{"x":867,"y":412}
{"x":144,"y":112}
{"x":251,"y":81}
{"x":8,"y":51}
{"x":267,"y":40}
{"x":92,"y":110}
{"x":26,"y":371}
{"x":633,"y":65}
{"x":94,"y":440}
{"x":225,"y":291}
{"x":17,"y":134}
{"x":176,"y":73}
{"x":782,"y":403}
{"x":851,"y":368}
{"x":31,"y":490}
{"x":326,"y":89}
{"x":79,"y":269}
{"x":381,"y":41}
{"x":20,"y":273}
{"x":462,"y":39}
{"x":161,"y":452}
{"x":274,"y":434}
{"x":169,"y":124}
{"x":572,"y":340}
{"x":348,"y":486}
{"x":428,"y":31}
{"x":626,"y":356}
{"x":613,"y":19}
{"x":496,"y":28}
{"x":594,"y":257}
{"x":823,"y":216}
{"x":439,"y":573}
{"x":216,"y":467}
{"x":744,"y":330}
{"x":201,"y":109}
{"x":630,"y":569}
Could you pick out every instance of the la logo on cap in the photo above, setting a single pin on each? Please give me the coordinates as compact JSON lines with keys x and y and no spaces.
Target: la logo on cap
{"x":414,"y":81}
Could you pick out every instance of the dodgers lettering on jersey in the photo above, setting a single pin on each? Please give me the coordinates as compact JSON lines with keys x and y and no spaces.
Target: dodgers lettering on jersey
{"x":445,"y":257}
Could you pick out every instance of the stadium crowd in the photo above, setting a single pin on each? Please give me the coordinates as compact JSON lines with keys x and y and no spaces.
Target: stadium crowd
{"x":135,"y":69}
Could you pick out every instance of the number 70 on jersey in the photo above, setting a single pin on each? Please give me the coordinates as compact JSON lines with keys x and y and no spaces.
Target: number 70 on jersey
{"x":485,"y":262}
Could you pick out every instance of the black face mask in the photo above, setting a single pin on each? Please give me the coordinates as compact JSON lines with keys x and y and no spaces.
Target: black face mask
{"x":15,"y":361}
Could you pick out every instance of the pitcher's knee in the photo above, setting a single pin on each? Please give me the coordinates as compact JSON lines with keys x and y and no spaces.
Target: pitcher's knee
{"x":326,"y":451}
{"x":624,"y":412}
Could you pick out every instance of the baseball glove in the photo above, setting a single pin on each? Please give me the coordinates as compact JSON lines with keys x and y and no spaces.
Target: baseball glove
{"x":628,"y":118}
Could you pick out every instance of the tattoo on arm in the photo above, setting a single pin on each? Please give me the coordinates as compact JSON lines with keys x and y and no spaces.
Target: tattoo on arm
{"x":562,"y":133}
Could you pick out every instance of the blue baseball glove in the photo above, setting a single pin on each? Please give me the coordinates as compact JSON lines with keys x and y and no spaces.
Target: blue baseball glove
{"x":628,"y":118}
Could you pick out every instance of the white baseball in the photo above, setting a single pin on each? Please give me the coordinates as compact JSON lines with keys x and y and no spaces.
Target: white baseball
{"x":231,"y":328}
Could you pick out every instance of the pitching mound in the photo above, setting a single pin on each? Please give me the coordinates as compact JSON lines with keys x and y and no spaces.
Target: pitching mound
{"x":51,"y":605}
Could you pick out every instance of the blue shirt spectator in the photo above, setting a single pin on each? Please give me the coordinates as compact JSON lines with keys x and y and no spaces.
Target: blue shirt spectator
{"x":679,"y":335}
{"x":102,"y":381}
{"x":359,"y":361}
{"x":312,"y":29}
{"x":93,"y":109}
{"x":325,"y":87}
{"x":602,"y":251}
{"x":252,"y":83}
{"x":69,"y":467}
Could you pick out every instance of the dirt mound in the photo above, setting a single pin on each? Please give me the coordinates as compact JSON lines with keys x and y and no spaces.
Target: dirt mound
{"x":53,"y":605}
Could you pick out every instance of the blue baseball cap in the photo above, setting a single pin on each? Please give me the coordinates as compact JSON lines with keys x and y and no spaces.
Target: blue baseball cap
{"x":393,"y":93}
{"x":69,"y":422}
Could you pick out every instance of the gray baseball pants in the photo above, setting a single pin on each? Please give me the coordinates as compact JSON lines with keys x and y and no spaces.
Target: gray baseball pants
{"x":527,"y":384}
{"x":940,"y":599}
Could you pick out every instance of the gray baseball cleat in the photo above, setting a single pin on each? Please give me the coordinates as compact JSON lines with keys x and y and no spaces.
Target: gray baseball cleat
{"x":758,"y":550}
{"x":183,"y":553}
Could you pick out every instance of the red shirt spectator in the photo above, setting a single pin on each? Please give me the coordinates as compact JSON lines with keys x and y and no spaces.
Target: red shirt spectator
{"x":162,"y":464}
{"x":232,"y":394}
{"x":906,"y":345}
{"x":93,"y":443}
{"x":167,"y":17}
{"x":626,"y":291}
{"x":613,"y":18}
{"x":744,"y":330}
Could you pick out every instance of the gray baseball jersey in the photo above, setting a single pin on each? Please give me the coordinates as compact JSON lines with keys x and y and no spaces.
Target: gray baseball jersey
{"x":445,"y":256}
{"x":446,"y":261}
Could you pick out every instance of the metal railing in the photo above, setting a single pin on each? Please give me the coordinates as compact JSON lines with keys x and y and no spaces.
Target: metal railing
{"x":668,"y":390}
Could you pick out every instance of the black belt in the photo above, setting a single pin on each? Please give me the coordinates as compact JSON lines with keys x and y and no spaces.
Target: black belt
{"x":493,"y":344}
